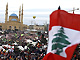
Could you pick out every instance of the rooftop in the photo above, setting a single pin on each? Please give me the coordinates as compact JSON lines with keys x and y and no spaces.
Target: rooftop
{"x":13,"y":14}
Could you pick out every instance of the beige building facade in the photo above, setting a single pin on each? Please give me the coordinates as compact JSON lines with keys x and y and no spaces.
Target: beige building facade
{"x":13,"y":22}
{"x":39,"y":27}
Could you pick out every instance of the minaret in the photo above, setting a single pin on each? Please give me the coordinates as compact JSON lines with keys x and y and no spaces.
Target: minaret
{"x":22,"y":15}
{"x":19,"y":13}
{"x":6,"y":14}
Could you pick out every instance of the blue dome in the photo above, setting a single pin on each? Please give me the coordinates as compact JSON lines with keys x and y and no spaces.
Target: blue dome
{"x":13,"y":14}
{"x":13,"y":20}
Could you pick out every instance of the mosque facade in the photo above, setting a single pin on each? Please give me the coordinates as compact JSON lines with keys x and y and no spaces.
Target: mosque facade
{"x":14,"y":22}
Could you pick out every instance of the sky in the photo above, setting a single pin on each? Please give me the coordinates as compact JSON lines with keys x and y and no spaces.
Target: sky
{"x":39,"y":8}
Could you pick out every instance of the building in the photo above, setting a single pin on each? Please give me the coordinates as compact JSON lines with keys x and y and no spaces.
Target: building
{"x":13,"y":22}
{"x":39,"y":27}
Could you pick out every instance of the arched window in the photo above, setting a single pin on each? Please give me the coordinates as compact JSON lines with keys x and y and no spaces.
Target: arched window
{"x":0,"y":27}
{"x":9,"y":27}
{"x":15,"y":27}
{"x":19,"y":27}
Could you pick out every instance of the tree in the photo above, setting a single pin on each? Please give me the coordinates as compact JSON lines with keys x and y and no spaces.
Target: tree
{"x":60,"y":41}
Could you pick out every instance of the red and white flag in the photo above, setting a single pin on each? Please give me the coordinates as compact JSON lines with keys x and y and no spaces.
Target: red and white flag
{"x":64,"y":35}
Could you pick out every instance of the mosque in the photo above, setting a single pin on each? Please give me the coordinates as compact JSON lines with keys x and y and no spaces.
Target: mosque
{"x":13,"y":22}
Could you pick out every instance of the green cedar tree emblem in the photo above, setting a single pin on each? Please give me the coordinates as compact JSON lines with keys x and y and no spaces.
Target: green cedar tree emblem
{"x":60,"y":41}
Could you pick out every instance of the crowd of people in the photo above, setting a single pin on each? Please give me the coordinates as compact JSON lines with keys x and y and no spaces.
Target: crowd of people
{"x":23,"y":45}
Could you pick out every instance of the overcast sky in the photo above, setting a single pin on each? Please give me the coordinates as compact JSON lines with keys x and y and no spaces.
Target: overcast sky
{"x":39,"y":8}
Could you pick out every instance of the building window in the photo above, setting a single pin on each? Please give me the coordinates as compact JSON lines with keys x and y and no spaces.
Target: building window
{"x":19,"y":27}
{"x":15,"y":27}
{"x":9,"y":27}
{"x":0,"y":28}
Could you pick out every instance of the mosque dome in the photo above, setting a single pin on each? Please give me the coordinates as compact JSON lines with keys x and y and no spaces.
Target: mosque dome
{"x":13,"y":14}
{"x":13,"y":20}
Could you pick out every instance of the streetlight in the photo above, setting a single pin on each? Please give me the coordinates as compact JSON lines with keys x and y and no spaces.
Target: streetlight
{"x":74,"y":10}
{"x":34,"y":20}
{"x":34,"y":17}
{"x":31,"y":27}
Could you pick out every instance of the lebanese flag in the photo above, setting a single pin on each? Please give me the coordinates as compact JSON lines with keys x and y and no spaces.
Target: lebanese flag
{"x":62,"y":21}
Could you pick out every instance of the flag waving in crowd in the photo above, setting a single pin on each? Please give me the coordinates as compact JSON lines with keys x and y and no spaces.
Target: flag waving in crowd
{"x":64,"y":35}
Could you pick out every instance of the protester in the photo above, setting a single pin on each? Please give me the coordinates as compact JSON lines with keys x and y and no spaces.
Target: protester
{"x":22,"y":46}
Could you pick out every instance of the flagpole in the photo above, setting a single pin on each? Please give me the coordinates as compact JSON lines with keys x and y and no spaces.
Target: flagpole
{"x":59,"y":8}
